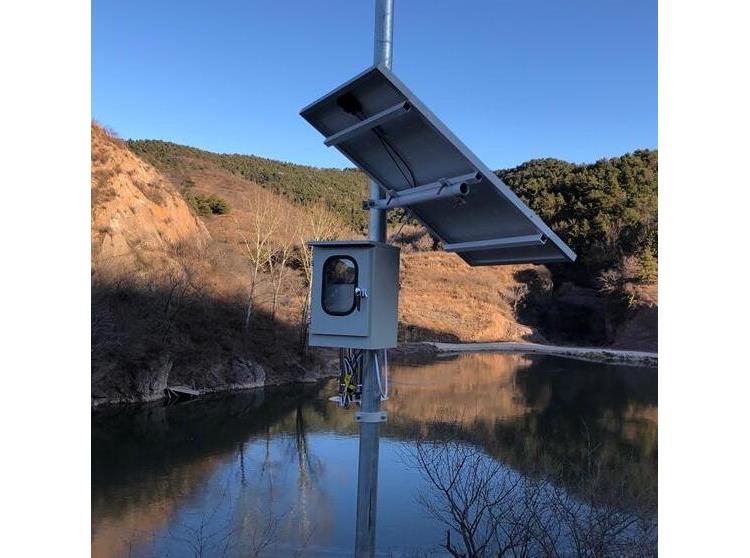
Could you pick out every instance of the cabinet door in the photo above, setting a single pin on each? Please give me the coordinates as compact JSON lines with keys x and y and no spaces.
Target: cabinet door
{"x":338,"y":305}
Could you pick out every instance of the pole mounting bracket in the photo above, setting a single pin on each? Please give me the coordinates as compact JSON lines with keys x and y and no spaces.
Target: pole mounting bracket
{"x":377,"y":416}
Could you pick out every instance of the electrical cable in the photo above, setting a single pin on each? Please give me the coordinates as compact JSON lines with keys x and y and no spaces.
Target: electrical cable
{"x":351,"y":105}
{"x":385,"y":365}
{"x":391,"y":152}
{"x":383,"y":393}
{"x":408,"y":214}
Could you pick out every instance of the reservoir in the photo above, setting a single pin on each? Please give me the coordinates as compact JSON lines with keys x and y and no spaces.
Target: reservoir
{"x":548,"y":455}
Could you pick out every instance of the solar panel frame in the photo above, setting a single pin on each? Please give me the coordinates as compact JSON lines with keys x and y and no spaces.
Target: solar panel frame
{"x":498,"y":213}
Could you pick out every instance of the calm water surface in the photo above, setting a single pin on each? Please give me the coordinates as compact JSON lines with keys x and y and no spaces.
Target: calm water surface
{"x":273,"y":472}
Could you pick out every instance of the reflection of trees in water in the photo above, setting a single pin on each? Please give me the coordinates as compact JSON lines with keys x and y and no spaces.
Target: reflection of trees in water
{"x":557,"y":422}
{"x":539,"y":415}
{"x":308,"y":471}
{"x":478,"y":387}
{"x":268,"y":514}
{"x":591,"y":417}
{"x":244,"y":507}
{"x":490,"y":510}
{"x":228,"y":522}
{"x":147,"y":461}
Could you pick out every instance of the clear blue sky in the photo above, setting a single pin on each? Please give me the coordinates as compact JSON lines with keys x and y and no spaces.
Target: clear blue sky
{"x":514,"y":79}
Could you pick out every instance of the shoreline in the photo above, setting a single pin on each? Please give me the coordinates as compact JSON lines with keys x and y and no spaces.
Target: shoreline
{"x":424,"y":351}
{"x":594,"y":354}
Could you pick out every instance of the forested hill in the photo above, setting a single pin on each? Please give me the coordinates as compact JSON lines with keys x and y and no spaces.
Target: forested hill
{"x":342,"y":190}
{"x":606,"y":211}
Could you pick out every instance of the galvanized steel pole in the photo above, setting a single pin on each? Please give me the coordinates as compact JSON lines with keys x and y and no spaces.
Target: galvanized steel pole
{"x":383,"y":52}
{"x":369,"y":432}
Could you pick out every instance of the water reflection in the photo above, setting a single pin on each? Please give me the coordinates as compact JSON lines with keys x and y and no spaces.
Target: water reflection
{"x":274,"y":473}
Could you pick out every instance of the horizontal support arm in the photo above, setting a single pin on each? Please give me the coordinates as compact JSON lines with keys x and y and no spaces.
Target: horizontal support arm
{"x":368,"y":124}
{"x":451,"y":187}
{"x":509,"y":242}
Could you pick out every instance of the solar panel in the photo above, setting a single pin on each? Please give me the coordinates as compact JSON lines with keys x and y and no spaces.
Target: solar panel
{"x":381,"y":127}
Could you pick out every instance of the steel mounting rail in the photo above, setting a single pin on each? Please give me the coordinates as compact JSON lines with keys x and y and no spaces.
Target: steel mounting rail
{"x":458,"y":186}
{"x":368,"y":124}
{"x":507,"y":242}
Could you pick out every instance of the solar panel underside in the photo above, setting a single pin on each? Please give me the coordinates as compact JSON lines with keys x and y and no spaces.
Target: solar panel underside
{"x":379,"y":125}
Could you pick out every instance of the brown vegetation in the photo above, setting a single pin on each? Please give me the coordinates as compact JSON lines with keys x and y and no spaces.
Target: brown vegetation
{"x":181,"y":293}
{"x":170,"y":300}
{"x":138,"y":218}
{"x":443,"y":299}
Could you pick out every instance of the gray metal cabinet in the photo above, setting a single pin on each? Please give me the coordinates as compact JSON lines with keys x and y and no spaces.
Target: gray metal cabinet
{"x":354,"y":300}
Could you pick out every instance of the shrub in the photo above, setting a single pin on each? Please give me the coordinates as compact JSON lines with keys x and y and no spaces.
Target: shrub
{"x":342,"y":191}
{"x":649,"y":267}
{"x":219,"y":206}
{"x":206,"y":205}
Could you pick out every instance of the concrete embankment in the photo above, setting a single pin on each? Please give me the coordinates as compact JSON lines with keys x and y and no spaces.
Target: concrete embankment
{"x":597,"y":354}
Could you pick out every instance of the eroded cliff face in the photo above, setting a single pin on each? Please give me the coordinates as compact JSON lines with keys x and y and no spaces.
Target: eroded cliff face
{"x":139,"y":221}
{"x":153,"y":303}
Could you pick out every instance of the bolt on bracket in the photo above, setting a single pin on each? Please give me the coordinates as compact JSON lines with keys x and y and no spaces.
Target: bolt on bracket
{"x":378,"y":416}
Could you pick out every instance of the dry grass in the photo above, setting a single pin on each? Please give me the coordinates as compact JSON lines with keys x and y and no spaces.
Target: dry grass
{"x":232,"y":273}
{"x":172,"y":290}
{"x":137,"y":215}
{"x":442,"y":298}
{"x":167,"y":299}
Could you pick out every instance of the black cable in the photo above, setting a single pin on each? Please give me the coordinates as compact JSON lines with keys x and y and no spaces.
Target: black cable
{"x":404,"y":219}
{"x":390,"y":149}
{"x":351,"y":105}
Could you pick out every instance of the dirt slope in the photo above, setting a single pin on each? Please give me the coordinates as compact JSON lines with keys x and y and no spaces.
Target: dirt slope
{"x":171,"y":291}
{"x":441,"y":299}
{"x":138,"y":218}
{"x":157,"y":318}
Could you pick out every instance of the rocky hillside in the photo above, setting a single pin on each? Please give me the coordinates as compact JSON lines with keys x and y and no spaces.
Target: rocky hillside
{"x":441,"y":297}
{"x":138,"y":218}
{"x":607,"y":211}
{"x":169,"y":302}
{"x":200,"y":271}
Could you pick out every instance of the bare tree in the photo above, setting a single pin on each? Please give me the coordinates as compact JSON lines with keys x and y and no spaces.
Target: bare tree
{"x":258,"y":243}
{"x":518,"y":294}
{"x":321,"y":225}
{"x":469,"y":491}
{"x":282,"y":255}
{"x":491,"y":511}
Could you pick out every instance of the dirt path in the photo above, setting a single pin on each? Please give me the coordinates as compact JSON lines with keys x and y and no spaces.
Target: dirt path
{"x":599,"y":354}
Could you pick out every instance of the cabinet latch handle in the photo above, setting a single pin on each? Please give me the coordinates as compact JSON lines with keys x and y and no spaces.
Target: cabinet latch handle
{"x":359,"y":294}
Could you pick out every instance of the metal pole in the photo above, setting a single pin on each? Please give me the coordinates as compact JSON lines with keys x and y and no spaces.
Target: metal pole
{"x":383,"y":53}
{"x":369,"y":449}
{"x":369,"y":432}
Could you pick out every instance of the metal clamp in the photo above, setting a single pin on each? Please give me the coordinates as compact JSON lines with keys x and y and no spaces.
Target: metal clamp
{"x":378,"y":416}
